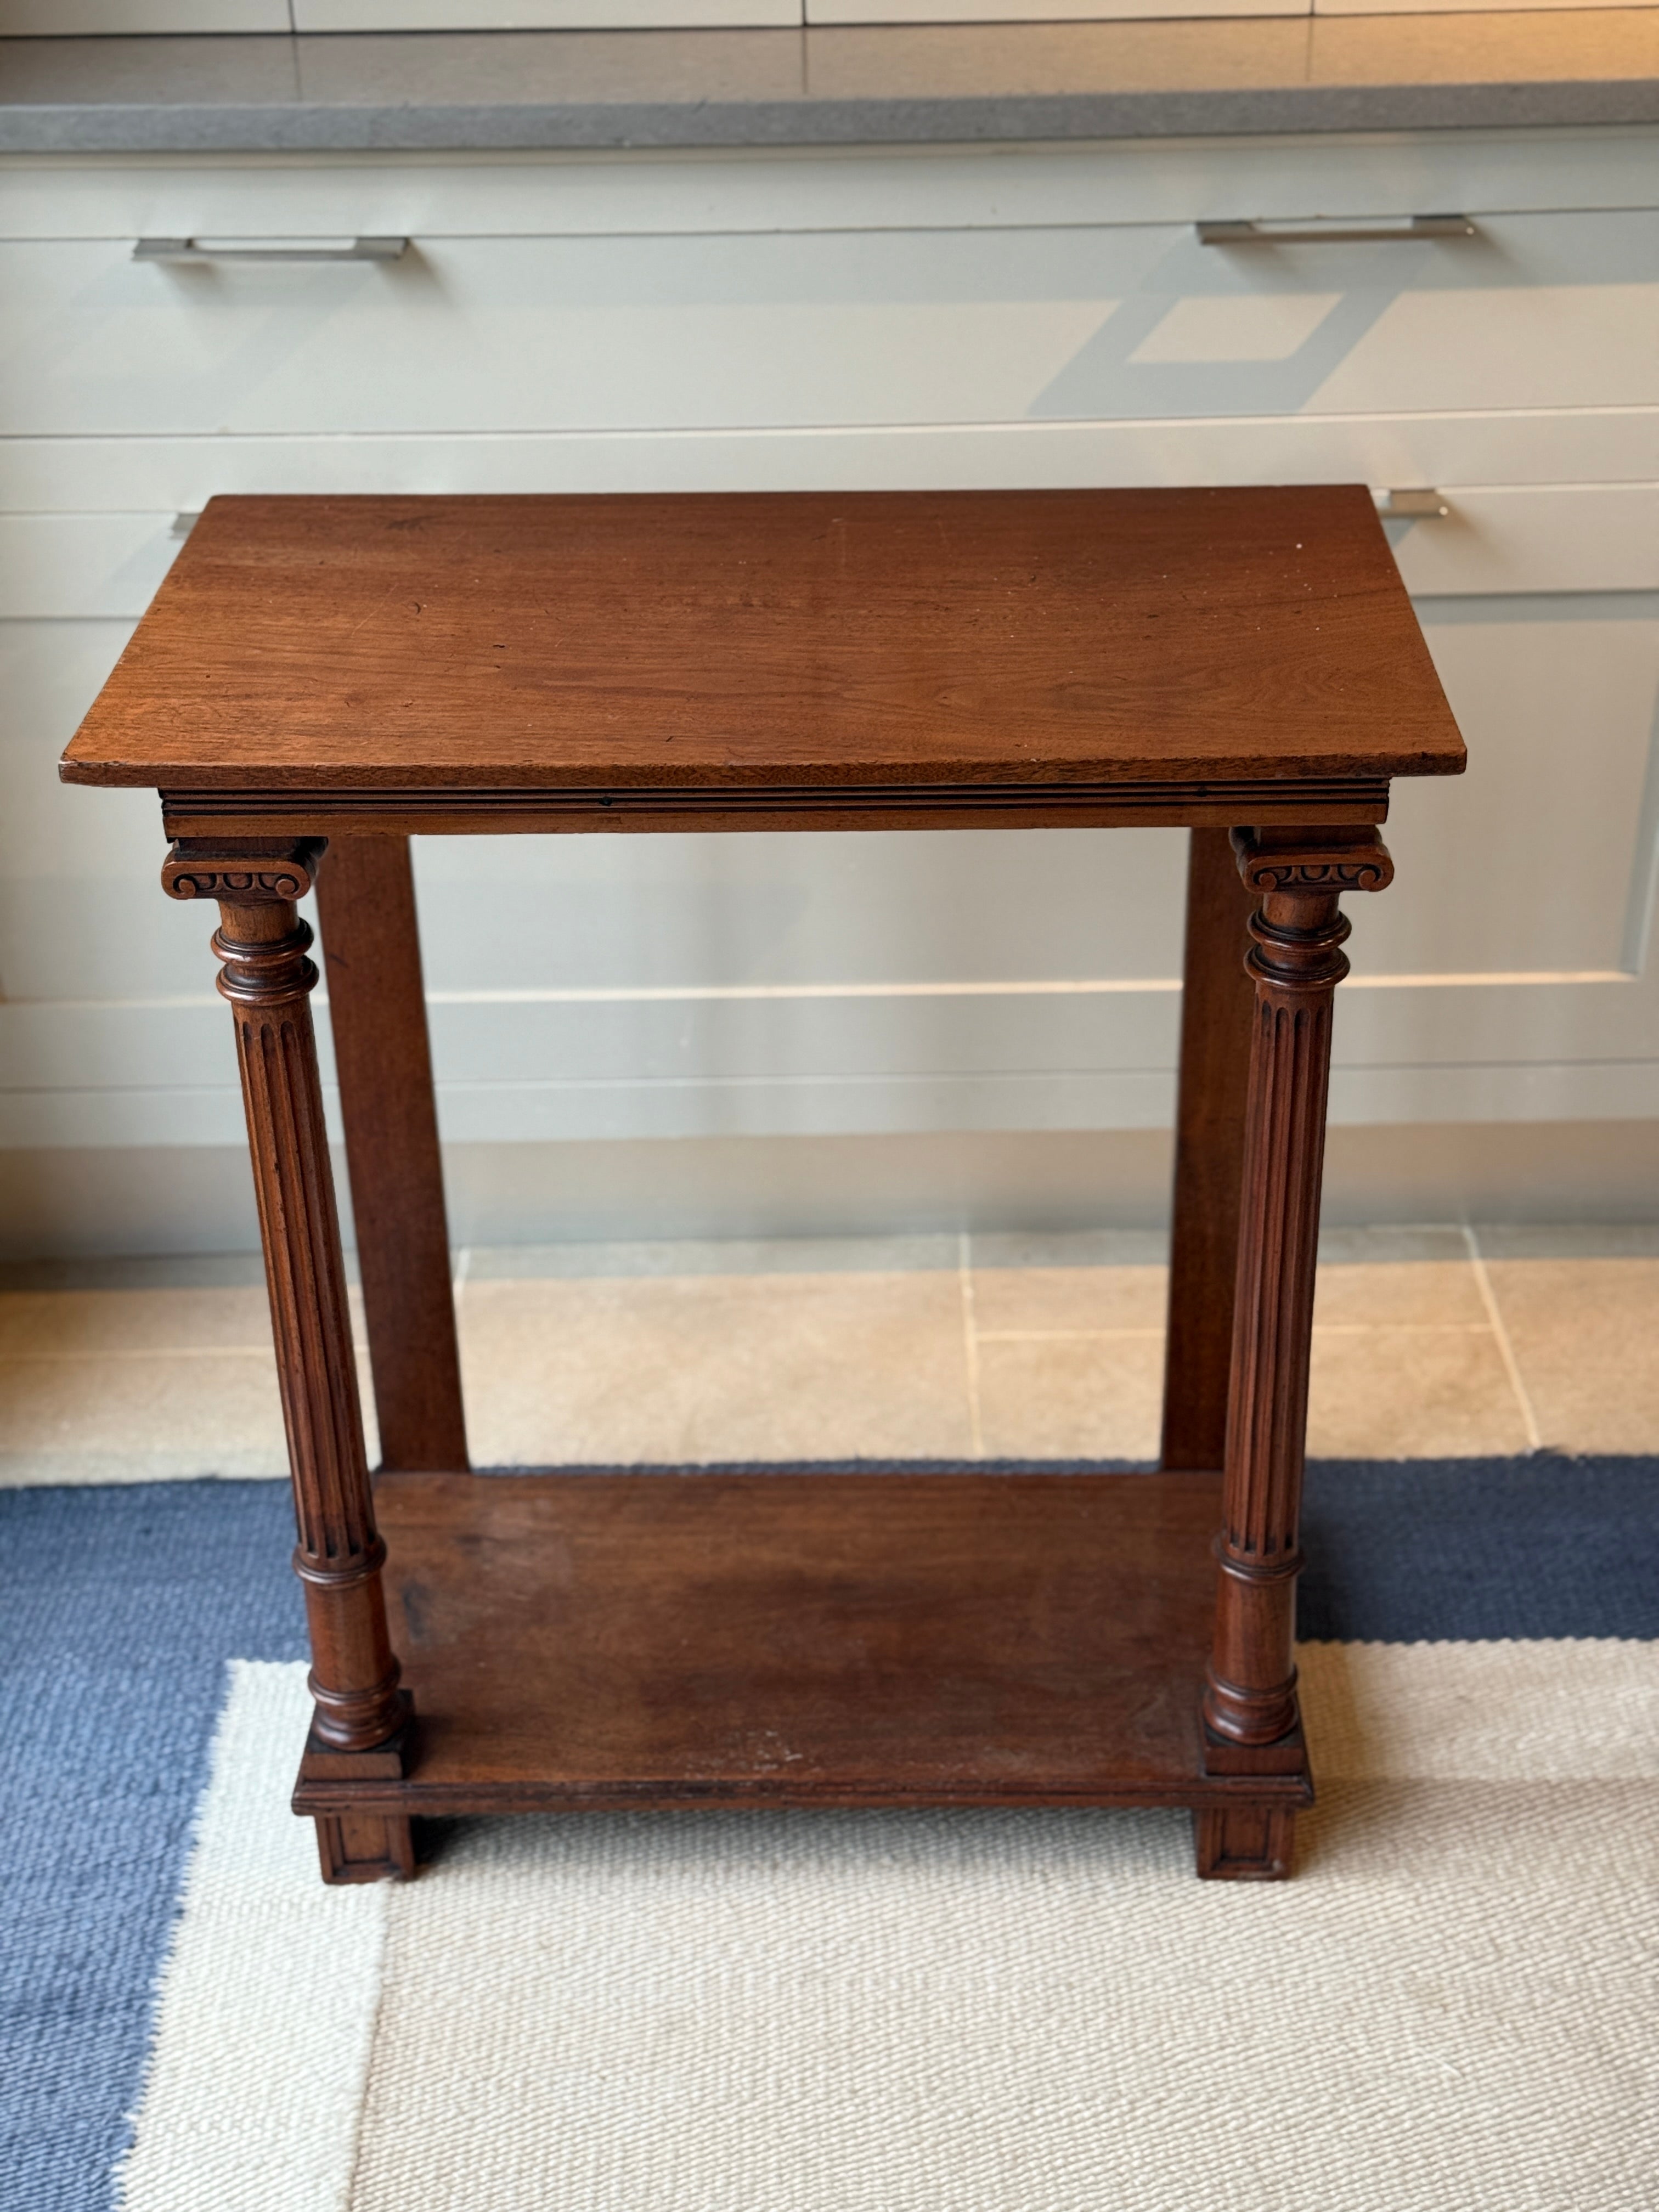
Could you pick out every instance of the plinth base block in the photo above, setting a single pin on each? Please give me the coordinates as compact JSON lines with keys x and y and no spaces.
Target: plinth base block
{"x":1287,"y":1754}
{"x":1244,"y":1843}
{"x":365,"y":1847}
{"x":354,"y":1845}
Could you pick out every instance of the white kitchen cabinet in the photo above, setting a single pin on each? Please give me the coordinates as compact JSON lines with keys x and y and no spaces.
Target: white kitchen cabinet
{"x":721,"y":330}
{"x":545,"y":14}
{"x":69,"y":19}
{"x":1006,"y":317}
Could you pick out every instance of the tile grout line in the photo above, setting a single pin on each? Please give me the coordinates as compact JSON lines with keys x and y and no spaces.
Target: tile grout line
{"x":970,"y":1341}
{"x":1065,"y":1336}
{"x":1147,"y":1336}
{"x":1506,"y":1350}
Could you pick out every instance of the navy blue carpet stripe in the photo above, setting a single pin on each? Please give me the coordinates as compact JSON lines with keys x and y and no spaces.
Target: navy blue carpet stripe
{"x":119,"y":1606}
{"x":1412,"y":1551}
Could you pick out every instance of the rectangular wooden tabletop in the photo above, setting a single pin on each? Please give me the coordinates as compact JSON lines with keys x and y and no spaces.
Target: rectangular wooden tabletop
{"x":774,"y":642}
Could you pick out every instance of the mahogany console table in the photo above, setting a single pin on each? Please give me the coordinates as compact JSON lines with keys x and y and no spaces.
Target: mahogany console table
{"x":318,"y":677}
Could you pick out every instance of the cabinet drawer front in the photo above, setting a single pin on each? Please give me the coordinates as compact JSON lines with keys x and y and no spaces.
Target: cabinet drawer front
{"x":989,"y":187}
{"x":1134,"y":321}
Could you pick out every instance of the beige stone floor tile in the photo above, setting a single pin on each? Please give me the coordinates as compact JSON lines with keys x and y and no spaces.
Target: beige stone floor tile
{"x":1067,"y":1397}
{"x":1068,"y":1299}
{"x":712,"y":1368}
{"x":1380,"y":1290}
{"x":106,"y":1420}
{"x":1404,"y":1393}
{"x":1585,"y":1335}
{"x":78,"y":1324}
{"x":149,"y":1416}
{"x":75,"y":1323}
{"x":1412,"y":1293}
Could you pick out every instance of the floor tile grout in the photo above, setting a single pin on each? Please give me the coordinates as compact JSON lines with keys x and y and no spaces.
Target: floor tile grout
{"x":1063,"y":1335}
{"x":1403,"y":1328}
{"x":1506,"y":1349}
{"x":1320,"y":1329}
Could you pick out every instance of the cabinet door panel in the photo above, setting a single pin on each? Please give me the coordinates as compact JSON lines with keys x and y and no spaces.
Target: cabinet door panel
{"x":1133,"y":321}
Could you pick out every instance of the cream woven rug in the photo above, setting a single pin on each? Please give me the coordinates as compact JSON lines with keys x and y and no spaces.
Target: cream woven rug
{"x":1451,"y":2009}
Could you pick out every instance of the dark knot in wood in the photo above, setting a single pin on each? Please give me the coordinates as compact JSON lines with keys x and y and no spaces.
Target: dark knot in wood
{"x":257,"y":872}
{"x":269,"y":975}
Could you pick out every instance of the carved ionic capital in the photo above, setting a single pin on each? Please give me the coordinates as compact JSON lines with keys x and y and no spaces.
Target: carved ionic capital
{"x":242,"y":871}
{"x":1313,"y":862}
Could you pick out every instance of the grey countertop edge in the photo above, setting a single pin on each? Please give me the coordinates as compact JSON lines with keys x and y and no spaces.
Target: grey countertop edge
{"x":206,"y":127}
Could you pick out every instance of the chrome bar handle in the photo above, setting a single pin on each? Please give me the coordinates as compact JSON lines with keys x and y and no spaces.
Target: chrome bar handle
{"x":199,"y":249}
{"x":1421,"y":505}
{"x":1335,"y":234}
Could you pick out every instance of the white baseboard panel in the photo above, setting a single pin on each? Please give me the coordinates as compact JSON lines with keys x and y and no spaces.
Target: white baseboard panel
{"x":501,"y":1117}
{"x":79,"y":1203}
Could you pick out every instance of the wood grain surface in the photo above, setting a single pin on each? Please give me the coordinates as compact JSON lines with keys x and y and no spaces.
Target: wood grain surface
{"x":1218,"y":1023}
{"x":377,"y":1011}
{"x":776,"y":641}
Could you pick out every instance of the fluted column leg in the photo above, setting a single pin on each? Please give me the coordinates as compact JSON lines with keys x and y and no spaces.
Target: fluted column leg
{"x":359,"y":1711}
{"x":1297,"y":960}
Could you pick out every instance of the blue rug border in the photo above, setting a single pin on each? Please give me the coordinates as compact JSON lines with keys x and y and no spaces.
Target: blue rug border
{"x":121,"y":1604}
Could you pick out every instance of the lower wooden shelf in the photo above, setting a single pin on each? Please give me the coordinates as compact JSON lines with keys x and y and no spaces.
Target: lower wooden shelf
{"x":591,"y":1641}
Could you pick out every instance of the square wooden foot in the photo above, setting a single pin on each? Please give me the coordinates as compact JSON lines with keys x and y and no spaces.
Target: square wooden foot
{"x":365,"y":1847}
{"x":1244,"y":1843}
